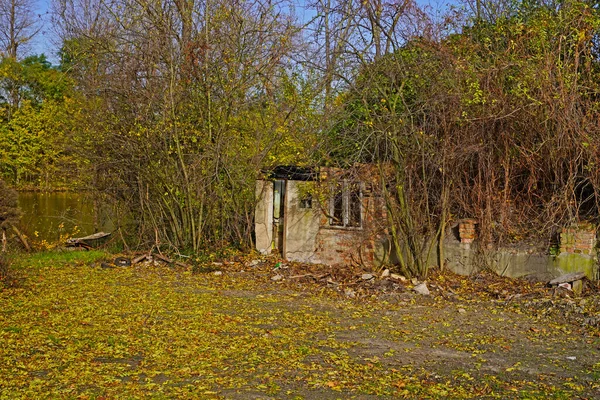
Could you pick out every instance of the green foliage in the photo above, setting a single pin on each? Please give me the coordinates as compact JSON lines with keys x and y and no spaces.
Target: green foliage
{"x":36,"y":124}
{"x":48,"y":259}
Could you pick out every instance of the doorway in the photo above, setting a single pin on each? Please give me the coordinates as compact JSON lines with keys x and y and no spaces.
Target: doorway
{"x":279,"y":186}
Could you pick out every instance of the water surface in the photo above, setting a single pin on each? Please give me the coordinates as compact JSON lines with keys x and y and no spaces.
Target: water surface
{"x":50,"y":215}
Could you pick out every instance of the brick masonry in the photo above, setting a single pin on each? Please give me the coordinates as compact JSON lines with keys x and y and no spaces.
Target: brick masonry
{"x":351,"y":246}
{"x":466,"y":230}
{"x":578,"y":239}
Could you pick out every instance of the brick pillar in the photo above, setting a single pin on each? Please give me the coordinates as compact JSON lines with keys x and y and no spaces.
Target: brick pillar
{"x":466,"y":230}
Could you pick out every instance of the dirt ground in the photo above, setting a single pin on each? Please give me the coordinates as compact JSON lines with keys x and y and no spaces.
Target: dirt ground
{"x":243,"y":329}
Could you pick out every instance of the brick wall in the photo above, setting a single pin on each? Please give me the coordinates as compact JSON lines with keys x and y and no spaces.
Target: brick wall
{"x":347,"y":246}
{"x":579,"y":239}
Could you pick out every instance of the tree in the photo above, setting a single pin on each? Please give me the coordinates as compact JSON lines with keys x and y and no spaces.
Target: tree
{"x":34,"y":149}
{"x":189,"y":101}
{"x":19,"y":23}
{"x":495,"y":123}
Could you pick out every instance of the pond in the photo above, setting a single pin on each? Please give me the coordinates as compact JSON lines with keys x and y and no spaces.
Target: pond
{"x":47,"y":216}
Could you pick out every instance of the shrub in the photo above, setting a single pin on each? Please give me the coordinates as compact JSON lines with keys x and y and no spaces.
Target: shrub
{"x":9,"y":207}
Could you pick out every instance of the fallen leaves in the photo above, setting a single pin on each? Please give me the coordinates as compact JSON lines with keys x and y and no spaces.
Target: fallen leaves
{"x":135,"y":332}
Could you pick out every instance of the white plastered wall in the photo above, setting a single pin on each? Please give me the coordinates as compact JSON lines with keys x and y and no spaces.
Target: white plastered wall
{"x":301,"y":226}
{"x":263,"y":216}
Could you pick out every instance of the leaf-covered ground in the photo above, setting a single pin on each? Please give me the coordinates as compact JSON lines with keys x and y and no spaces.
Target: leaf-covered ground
{"x":76,"y":330}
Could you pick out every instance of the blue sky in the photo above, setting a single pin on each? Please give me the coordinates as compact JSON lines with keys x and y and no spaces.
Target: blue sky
{"x":43,"y":43}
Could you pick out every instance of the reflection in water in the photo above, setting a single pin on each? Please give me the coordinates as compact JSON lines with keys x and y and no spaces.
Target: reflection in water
{"x":55,"y":214}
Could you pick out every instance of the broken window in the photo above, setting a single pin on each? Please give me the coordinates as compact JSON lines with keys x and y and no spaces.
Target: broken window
{"x":354,"y":205}
{"x":345,"y":205}
{"x":306,"y":201}
{"x":337,"y":206}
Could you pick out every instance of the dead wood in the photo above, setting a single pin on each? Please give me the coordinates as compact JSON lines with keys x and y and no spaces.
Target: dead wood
{"x":169,"y":261}
{"x":139,"y":259}
{"x":21,"y":237}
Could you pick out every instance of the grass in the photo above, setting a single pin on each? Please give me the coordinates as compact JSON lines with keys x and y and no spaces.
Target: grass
{"x":55,"y":258}
{"x":78,"y":331}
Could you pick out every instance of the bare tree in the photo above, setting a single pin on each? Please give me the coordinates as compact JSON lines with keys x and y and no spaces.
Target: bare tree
{"x":187,"y":100}
{"x":19,"y":23}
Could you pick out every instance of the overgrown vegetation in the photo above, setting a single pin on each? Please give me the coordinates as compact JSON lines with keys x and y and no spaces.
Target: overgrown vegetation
{"x":9,"y":211}
{"x":494,"y":123}
{"x":170,"y":109}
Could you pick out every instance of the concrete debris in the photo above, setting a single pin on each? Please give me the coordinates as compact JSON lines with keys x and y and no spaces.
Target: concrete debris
{"x":565,"y":285}
{"x":398,"y":277}
{"x":385,"y":273}
{"x":577,"y":287}
{"x":567,"y":278}
{"x":421,"y":288}
{"x":253,"y":263}
{"x":367,"y":277}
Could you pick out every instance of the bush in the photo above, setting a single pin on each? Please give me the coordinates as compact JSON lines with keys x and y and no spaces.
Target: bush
{"x":9,"y":210}
{"x":9,"y":206}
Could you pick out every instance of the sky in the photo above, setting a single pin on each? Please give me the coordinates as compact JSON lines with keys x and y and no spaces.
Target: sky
{"x":44,"y":43}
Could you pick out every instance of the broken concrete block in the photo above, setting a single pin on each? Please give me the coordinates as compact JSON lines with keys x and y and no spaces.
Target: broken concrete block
{"x":567,"y":278}
{"x":565,"y":285}
{"x":577,"y":286}
{"x":398,"y":277}
{"x":421,"y":288}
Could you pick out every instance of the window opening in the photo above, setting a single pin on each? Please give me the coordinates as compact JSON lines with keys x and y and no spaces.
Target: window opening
{"x":306,"y":201}
{"x":354,"y":205}
{"x":337,"y":206}
{"x":345,"y":207}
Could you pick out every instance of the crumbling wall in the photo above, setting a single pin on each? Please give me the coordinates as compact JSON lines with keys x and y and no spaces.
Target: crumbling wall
{"x":301,"y":224}
{"x":577,"y":253}
{"x":263,"y":216}
{"x":349,"y":245}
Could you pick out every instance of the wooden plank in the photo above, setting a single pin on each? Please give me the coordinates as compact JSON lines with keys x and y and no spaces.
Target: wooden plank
{"x":95,"y":236}
{"x":21,"y":238}
{"x":139,"y":259}
{"x":575,"y":276}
